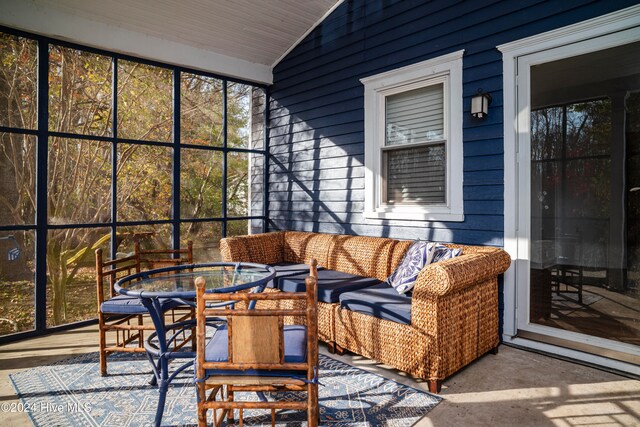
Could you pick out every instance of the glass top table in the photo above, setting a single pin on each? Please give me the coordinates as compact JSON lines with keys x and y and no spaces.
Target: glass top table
{"x":178,"y":283}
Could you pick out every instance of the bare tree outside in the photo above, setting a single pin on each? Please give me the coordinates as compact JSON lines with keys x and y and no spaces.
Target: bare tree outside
{"x":79,"y":189}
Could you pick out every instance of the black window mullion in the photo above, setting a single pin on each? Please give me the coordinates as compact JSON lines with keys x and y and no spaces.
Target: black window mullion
{"x":43,"y":134}
{"x":265,"y":164}
{"x":175,"y":205}
{"x":114,"y":158}
{"x":224,"y":158}
{"x":41,"y":187}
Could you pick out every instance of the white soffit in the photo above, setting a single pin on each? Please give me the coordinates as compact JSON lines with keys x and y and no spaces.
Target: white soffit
{"x":239,"y":38}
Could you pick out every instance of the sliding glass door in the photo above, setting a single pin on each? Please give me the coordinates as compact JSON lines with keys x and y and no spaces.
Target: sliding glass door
{"x":580,"y":182}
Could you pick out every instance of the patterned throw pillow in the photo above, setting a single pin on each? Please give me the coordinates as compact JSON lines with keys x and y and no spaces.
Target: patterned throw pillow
{"x":418,"y":255}
{"x":443,"y":253}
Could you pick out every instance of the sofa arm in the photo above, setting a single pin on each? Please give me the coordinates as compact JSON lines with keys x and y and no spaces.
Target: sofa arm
{"x":438,"y":281}
{"x":461,"y":272}
{"x":266,"y":248}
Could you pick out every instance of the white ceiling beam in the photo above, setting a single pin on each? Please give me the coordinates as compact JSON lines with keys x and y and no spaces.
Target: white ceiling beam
{"x":28,"y":16}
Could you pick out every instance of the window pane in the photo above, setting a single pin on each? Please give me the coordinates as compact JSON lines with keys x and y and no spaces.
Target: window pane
{"x":416,"y":175}
{"x":206,"y":240}
{"x":17,"y":179}
{"x":144,"y":182}
{"x":17,"y":274}
{"x":589,"y":128}
{"x":201,"y":112}
{"x":587,"y":188}
{"x":145,"y":109}
{"x":546,"y":133}
{"x":415,"y":116}
{"x":256,"y":189}
{"x":238,"y":115}
{"x":237,"y":184}
{"x":258,"y":105}
{"x":238,"y":227}
{"x":71,"y":280}
{"x":80,"y":92}
{"x":256,"y":226}
{"x":79,"y":189}
{"x":200,"y":183}
{"x":18,"y":77}
{"x":152,"y":236}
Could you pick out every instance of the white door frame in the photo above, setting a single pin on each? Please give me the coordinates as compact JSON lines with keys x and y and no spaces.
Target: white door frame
{"x":614,"y":29}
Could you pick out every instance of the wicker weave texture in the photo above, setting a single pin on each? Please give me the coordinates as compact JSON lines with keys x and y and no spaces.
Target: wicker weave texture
{"x":326,"y":314}
{"x":361,"y":255}
{"x":263,"y":248}
{"x":398,"y":345}
{"x":399,"y":251}
{"x":454,"y":310}
{"x":300,"y":246}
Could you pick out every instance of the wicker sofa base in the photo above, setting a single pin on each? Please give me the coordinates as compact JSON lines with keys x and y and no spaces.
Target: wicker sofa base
{"x":454,"y":307}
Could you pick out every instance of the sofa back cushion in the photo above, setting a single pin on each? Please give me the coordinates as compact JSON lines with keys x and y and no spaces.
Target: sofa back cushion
{"x":361,"y":255}
{"x":302,"y":246}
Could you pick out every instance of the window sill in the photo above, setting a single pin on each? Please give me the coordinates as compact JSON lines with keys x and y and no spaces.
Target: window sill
{"x":416,"y":215}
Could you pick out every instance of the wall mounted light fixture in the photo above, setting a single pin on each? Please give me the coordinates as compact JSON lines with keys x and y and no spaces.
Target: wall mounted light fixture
{"x":480,"y":104}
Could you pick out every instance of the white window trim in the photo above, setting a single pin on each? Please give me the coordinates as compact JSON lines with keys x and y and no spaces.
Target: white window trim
{"x":447,"y":69}
{"x":605,"y":31}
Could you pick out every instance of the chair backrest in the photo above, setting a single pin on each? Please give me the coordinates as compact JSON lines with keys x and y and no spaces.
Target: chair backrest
{"x":158,"y":258}
{"x":110,"y":271}
{"x":256,"y":336}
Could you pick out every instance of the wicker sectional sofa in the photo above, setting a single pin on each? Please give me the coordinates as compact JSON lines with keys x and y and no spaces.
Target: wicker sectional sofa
{"x":450,"y":319}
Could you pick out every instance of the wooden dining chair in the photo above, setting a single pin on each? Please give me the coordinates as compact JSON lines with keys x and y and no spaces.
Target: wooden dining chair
{"x":151,"y":259}
{"x":121,"y":319}
{"x":158,"y":258}
{"x":256,"y":352}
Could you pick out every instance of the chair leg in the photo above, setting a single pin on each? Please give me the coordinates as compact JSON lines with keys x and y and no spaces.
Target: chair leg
{"x":494,"y":350}
{"x":202,"y":410}
{"x":313,"y":414}
{"x":435,"y":386}
{"x":230,"y":399}
{"x":331,"y":346}
{"x":102,"y":340}
{"x":140,"y":333}
{"x":340,"y":350}
{"x":193,"y":330}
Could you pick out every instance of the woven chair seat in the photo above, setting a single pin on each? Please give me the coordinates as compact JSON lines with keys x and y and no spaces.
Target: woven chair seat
{"x":123,"y":304}
{"x":381,"y":301}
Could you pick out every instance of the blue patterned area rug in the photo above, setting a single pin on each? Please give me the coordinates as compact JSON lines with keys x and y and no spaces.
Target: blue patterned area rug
{"x":72,"y":393}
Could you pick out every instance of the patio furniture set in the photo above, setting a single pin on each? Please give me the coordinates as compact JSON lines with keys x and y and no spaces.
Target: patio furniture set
{"x":267,"y":305}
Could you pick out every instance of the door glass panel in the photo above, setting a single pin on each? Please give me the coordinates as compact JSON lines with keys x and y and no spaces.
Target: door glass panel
{"x":585,"y":194}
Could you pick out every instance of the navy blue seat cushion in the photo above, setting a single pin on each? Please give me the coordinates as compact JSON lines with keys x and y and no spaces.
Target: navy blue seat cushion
{"x":123,"y":304}
{"x":331,"y":284}
{"x":295,"y":351}
{"x":285,"y":269}
{"x":295,"y":344}
{"x":381,"y":301}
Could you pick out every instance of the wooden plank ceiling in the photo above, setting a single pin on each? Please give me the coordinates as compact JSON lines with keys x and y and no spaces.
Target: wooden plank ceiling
{"x":258,"y":31}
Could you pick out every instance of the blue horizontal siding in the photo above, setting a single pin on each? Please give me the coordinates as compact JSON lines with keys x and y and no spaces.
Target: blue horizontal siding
{"x":316,"y":128}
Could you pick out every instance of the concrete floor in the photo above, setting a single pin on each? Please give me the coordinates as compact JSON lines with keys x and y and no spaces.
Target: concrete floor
{"x":513,"y":388}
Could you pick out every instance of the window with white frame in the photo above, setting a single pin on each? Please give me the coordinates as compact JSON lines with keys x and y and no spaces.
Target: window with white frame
{"x":413,"y":141}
